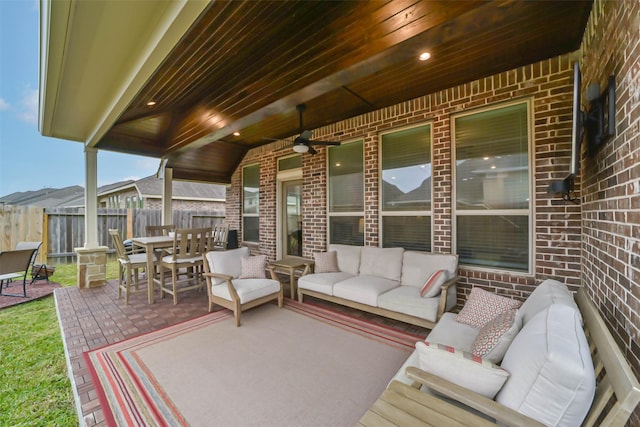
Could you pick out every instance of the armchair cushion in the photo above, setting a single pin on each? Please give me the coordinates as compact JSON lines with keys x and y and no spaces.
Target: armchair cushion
{"x":482,"y":306}
{"x":462,"y":368}
{"x":494,"y":338}
{"x":226,"y":262}
{"x":247,"y":289}
{"x":552,"y":376}
{"x":326,"y":262}
{"x":253,"y":267}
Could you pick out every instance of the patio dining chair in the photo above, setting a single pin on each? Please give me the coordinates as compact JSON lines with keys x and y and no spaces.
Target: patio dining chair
{"x":129,"y":265}
{"x":15,"y":264}
{"x":159,"y":230}
{"x":219,"y":237}
{"x":189,"y":244}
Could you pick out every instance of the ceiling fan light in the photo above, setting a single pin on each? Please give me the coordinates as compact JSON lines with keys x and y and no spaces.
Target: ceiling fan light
{"x":301,"y":148}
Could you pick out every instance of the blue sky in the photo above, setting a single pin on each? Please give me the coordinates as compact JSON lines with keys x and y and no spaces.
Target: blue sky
{"x":28,"y":160}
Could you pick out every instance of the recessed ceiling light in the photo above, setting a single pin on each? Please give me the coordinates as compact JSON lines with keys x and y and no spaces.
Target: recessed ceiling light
{"x":424,"y":56}
{"x":151,"y":103}
{"x":493,"y":166}
{"x":236,"y":133}
{"x":485,"y":158}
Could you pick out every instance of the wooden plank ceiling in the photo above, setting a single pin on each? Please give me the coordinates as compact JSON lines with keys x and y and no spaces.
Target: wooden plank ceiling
{"x":244,"y":66}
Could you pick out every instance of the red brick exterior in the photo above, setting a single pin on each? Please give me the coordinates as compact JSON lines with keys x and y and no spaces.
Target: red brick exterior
{"x":594,"y":243}
{"x":611,"y":178}
{"x":557,"y":233}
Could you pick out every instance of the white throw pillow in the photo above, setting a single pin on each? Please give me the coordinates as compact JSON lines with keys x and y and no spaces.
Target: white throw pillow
{"x":494,"y":338}
{"x":461,"y":368}
{"x":482,"y":306}
{"x":253,"y":267}
{"x":431,"y":287}
{"x":325,"y":262}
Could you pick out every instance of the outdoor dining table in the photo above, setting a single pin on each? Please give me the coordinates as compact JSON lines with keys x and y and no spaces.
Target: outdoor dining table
{"x":150,"y":245}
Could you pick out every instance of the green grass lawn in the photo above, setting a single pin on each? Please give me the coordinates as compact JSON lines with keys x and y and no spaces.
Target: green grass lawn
{"x":34,"y":386}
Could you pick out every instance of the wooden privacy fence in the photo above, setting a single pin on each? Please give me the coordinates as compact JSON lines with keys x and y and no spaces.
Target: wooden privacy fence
{"x":62,"y":229}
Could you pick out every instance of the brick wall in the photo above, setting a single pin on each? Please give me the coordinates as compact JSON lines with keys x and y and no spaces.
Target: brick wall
{"x":557,"y":224}
{"x":611,"y":177}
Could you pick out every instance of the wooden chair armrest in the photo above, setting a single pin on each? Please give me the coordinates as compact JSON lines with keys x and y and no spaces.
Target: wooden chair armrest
{"x":219,"y":276}
{"x":272,"y":272}
{"x":444,"y":294}
{"x":469,"y":398}
{"x":225,"y":277}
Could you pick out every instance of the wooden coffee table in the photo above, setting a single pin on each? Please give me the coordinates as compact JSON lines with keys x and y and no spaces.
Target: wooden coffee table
{"x":290,"y":265}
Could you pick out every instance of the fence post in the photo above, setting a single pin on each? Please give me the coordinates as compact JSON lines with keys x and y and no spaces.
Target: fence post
{"x":45,"y":237}
{"x":129,"y":223}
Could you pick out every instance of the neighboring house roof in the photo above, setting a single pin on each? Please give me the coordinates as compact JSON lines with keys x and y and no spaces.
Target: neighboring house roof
{"x":151,"y":188}
{"x":47,"y":197}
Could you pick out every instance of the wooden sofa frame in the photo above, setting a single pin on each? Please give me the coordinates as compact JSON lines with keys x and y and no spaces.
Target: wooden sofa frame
{"x":617,"y":389}
{"x":447,"y":288}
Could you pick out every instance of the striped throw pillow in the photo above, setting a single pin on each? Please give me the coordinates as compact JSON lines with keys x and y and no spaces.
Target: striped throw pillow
{"x":431,"y":287}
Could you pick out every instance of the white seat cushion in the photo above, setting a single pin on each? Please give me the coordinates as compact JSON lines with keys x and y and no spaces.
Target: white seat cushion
{"x":552,"y":376}
{"x":322,"y":282}
{"x":247,"y":289}
{"x":452,"y":333}
{"x":169,"y":259}
{"x":139,"y":258}
{"x":226,"y":262}
{"x":364,"y":289}
{"x":407,"y":300}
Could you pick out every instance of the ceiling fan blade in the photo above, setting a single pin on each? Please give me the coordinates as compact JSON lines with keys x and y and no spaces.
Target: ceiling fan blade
{"x":312,"y":150}
{"x":307,"y":134}
{"x":314,"y":142}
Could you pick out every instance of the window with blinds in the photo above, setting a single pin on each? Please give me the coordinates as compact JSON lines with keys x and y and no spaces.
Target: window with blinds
{"x":406,"y":188}
{"x":251,"y":203}
{"x":493,"y":187}
{"x":346,"y":194}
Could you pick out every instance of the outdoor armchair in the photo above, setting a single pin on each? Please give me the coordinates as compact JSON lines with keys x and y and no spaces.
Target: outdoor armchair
{"x":14,"y":264}
{"x":227,"y":285}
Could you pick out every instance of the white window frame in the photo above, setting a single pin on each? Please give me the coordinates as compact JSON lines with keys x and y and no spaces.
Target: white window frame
{"x":328,"y":193}
{"x":530,"y":212}
{"x":249,"y":215}
{"x":382,"y":213}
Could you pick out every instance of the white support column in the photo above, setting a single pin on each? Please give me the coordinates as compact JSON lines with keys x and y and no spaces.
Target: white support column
{"x":92,"y":258}
{"x":91,"y":198}
{"x":167,"y":196}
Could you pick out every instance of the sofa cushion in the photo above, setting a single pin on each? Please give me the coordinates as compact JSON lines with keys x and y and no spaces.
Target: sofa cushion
{"x":247,"y":289}
{"x":322,"y":282}
{"x":381,"y":262}
{"x":546,"y":293}
{"x":482,"y":306}
{"x":552,"y":376}
{"x":325,"y":262}
{"x":348,"y":257}
{"x":432,"y":285}
{"x":462,"y":368}
{"x":452,"y":333}
{"x":252,"y":267}
{"x":226,"y":262}
{"x":418,"y":266}
{"x":364,"y":289}
{"x":407,"y":300}
{"x":495,"y":337}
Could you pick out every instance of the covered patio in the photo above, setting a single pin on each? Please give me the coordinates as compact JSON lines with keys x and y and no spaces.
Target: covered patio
{"x":214,"y":91}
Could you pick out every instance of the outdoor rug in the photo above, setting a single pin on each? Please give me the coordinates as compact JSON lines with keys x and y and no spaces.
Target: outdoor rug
{"x":302,"y":365}
{"x":36,"y":290}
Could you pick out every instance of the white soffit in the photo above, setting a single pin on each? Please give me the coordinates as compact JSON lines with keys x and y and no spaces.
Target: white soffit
{"x":96,"y":55}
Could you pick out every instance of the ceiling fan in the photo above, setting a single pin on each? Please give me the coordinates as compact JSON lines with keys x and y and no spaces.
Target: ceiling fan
{"x":303,"y":143}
